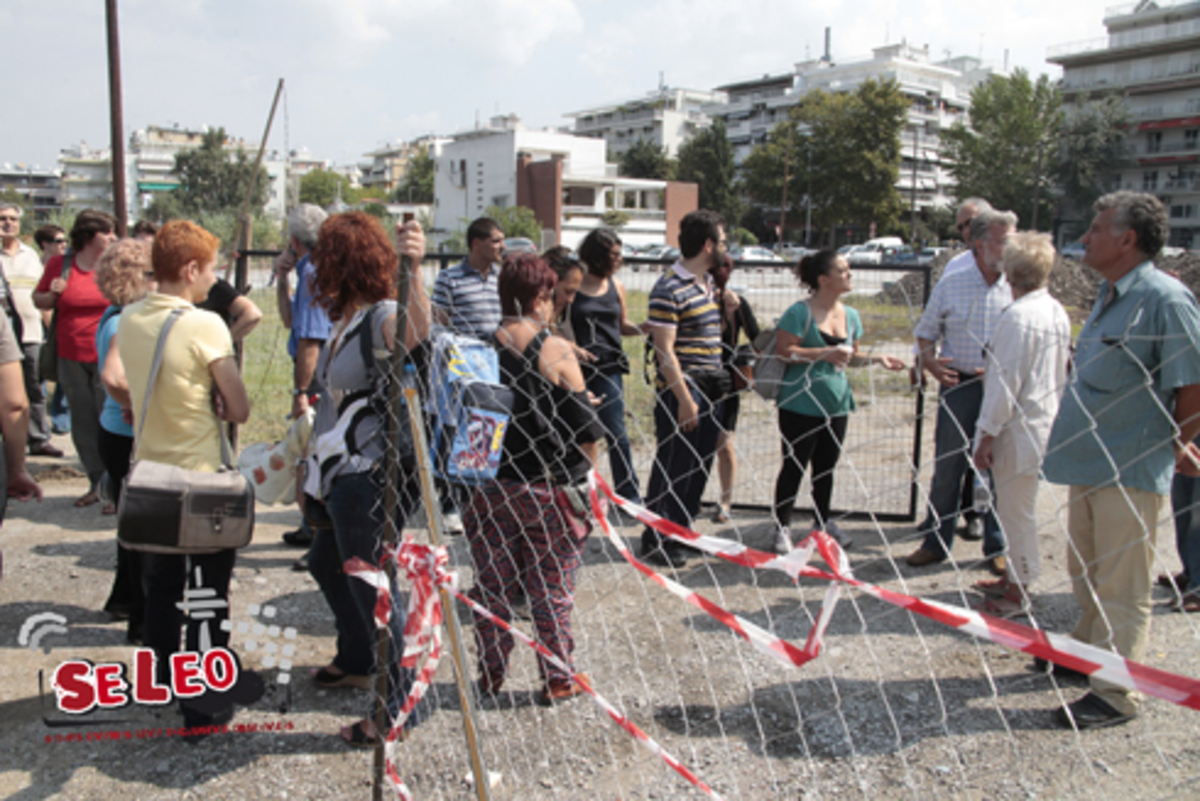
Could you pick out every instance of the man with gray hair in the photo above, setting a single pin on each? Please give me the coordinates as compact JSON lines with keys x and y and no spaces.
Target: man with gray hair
{"x":309,"y":323}
{"x":962,"y":313}
{"x":20,"y":270}
{"x":1126,"y":424}
{"x":968,"y":210}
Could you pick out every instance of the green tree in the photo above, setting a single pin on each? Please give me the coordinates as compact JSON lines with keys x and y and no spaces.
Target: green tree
{"x":322,"y":187}
{"x":1091,"y":149}
{"x":842,"y":151}
{"x":517,"y":221}
{"x":210,"y":181}
{"x":707,"y":160}
{"x":418,"y":179}
{"x":644,"y":159}
{"x":615,"y":218}
{"x":1014,"y":127}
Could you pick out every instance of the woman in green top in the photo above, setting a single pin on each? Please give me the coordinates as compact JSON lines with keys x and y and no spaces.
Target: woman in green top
{"x":819,"y":338}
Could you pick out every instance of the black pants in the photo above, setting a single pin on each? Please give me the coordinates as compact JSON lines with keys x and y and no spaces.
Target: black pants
{"x":126,"y":594}
{"x":807,"y":440}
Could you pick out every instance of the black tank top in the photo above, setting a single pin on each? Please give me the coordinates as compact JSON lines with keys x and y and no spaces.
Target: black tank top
{"x":548,"y":423}
{"x":596,"y":324}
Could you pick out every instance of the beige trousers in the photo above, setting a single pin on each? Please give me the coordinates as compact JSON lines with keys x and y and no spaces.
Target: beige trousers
{"x":1016,"y":509}
{"x":1110,"y":557}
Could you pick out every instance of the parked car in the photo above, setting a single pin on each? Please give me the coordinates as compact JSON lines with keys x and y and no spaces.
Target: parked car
{"x":519,"y":244}
{"x":899,"y":257}
{"x":926,"y":256}
{"x":1072,"y":251}
{"x":871,"y":252}
{"x":754,"y":253}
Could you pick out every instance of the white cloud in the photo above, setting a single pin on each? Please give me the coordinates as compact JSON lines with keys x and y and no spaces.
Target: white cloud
{"x":506,"y":31}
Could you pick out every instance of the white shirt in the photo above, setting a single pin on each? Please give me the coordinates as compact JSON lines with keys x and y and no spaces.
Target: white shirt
{"x":1026,"y":374}
{"x":962,"y":313}
{"x":23,"y":270}
{"x":963,"y":261}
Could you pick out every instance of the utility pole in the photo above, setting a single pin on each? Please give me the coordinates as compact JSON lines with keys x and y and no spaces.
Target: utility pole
{"x":787,"y":163}
{"x":116,"y":119}
{"x":808,"y":196}
{"x":912,"y":237}
{"x":1037,"y":185}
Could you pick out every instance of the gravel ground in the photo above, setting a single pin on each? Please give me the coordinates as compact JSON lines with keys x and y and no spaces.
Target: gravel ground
{"x":895,"y":707}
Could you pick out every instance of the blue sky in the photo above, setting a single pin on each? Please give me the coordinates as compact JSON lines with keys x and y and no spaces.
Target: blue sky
{"x":362,"y":72}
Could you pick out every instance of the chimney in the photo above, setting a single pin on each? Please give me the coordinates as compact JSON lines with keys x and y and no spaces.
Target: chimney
{"x":827,"y":57}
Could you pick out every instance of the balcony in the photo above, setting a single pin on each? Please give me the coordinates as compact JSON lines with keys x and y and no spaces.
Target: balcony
{"x":1159,"y":34}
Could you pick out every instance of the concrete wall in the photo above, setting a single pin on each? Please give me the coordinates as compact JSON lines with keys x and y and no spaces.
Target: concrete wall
{"x":680,"y":198}
{"x":539,"y":187}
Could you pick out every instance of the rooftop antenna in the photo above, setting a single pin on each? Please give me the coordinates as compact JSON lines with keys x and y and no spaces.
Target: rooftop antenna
{"x":828,"y":44}
{"x":662,"y":84}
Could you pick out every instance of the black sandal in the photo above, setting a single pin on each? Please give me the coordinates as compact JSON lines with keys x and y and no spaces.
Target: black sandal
{"x":355,"y":737}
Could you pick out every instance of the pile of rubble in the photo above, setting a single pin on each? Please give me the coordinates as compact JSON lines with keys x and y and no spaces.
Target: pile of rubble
{"x":1072,"y":283}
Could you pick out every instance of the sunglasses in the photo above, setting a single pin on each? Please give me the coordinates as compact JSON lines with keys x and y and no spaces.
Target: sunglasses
{"x":60,"y":241}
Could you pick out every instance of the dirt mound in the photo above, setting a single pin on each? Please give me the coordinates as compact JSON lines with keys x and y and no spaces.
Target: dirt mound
{"x":53,"y":472}
{"x":1073,"y":284}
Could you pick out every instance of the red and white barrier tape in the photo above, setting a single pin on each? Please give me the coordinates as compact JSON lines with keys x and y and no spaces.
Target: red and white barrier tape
{"x":425,"y":567}
{"x":1055,"y":648}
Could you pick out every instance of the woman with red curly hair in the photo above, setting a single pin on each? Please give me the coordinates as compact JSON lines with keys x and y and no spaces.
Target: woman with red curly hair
{"x":344,"y":476}
{"x":527,"y":528}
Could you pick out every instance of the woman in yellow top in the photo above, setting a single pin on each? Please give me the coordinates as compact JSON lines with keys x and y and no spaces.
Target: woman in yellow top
{"x":198,"y":385}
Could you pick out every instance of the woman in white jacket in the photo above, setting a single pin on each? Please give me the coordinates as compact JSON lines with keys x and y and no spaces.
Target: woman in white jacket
{"x":1023,"y":382}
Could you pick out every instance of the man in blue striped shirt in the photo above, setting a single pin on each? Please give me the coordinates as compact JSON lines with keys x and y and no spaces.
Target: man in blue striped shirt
{"x":466,"y":297}
{"x":685,"y":325}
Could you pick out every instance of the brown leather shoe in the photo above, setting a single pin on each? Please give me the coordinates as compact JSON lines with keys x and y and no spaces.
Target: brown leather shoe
{"x":922,"y":557}
{"x":556,"y":691}
{"x":45,"y":449}
{"x":998,"y":565}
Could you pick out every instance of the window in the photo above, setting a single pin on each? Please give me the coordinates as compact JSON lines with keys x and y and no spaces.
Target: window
{"x":1190,"y":137}
{"x":1183,"y":211}
{"x":1154,"y":142}
{"x":1150,"y":181}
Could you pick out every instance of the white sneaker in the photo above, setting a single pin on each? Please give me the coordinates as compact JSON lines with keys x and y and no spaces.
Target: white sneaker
{"x":453,"y":523}
{"x":840,"y":537}
{"x":783,"y":541}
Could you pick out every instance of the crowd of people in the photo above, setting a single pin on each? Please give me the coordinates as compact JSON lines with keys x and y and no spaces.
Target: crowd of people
{"x":1115,"y":423}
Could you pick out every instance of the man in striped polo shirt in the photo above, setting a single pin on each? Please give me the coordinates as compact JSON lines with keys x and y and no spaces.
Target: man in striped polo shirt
{"x":466,"y":297}
{"x":685,"y":325}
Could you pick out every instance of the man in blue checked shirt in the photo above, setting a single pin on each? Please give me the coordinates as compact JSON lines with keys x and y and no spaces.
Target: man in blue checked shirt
{"x":961,"y":314}
{"x":1126,"y":425}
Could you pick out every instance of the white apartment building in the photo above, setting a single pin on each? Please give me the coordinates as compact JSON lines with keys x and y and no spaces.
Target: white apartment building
{"x":564,"y":178}
{"x":40,"y":187}
{"x":86,"y":178}
{"x":1152,"y":56}
{"x":940,"y":95}
{"x":387,"y":165}
{"x":668,"y":117}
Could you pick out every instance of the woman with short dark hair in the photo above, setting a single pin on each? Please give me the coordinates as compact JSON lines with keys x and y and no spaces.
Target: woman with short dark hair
{"x":80,"y":304}
{"x":599,"y":321}
{"x":819,"y":337}
{"x":527,"y":528}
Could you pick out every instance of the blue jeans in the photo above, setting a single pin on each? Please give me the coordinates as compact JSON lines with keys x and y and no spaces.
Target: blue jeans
{"x":954,"y":442}
{"x":356,"y":508}
{"x":1185,"y":504}
{"x":682,"y":463}
{"x":611,"y":411}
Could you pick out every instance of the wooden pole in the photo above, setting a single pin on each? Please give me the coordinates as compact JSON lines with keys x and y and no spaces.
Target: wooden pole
{"x":242,"y":237}
{"x":392,"y":533}
{"x":116,"y":119}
